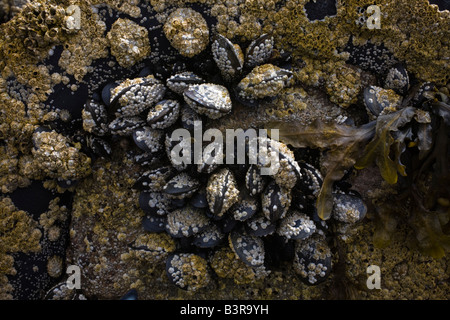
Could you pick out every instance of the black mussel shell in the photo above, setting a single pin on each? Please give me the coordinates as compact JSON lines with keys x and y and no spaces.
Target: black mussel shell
{"x":259,"y":51}
{"x":181,"y":186}
{"x":312,"y":261}
{"x":250,"y":249}
{"x":275,"y":201}
{"x":186,"y":222}
{"x":154,"y":223}
{"x":211,"y":237}
{"x":155,"y":203}
{"x":260,"y":226}
{"x":348,"y":208}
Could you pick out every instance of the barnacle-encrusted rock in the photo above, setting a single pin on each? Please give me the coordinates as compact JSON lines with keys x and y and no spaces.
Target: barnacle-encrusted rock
{"x":129,"y":42}
{"x":57,"y":159}
{"x":187,"y":31}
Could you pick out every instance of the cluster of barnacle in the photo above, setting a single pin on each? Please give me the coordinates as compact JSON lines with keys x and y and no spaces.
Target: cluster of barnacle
{"x":209,"y":206}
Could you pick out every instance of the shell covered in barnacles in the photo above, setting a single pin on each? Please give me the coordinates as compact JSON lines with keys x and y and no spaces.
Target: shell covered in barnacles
{"x":183,"y":80}
{"x":248,"y":248}
{"x":228,"y":57}
{"x":348,"y":208}
{"x":260,"y":226}
{"x":296,"y":226}
{"x":264,"y":81}
{"x":187,"y":31}
{"x":155,"y":179}
{"x":210,"y":237}
{"x":259,"y":51}
{"x":95,"y":118}
{"x":149,"y":140}
{"x":275,"y":201}
{"x":125,"y":126}
{"x":254,"y":181}
{"x":154,"y":202}
{"x":133,"y":96}
{"x":181,"y":186}
{"x":186,"y":221}
{"x":188,"y":271}
{"x":221,"y":191}
{"x":381,"y":101}
{"x":212,"y":100}
{"x":163,"y":114}
{"x":397,"y":79}
{"x":312,"y":260}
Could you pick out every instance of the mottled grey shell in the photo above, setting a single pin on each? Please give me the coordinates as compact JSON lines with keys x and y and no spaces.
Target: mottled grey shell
{"x":181,"y":186}
{"x":179,"y":82}
{"x":348,"y":208}
{"x":186,"y":222}
{"x":164,"y":114}
{"x":296,"y":226}
{"x":312,"y":260}
{"x":259,"y":51}
{"x":131,"y":97}
{"x":221,"y":191}
{"x":228,"y":57}
{"x":248,"y":248}
{"x":209,"y":99}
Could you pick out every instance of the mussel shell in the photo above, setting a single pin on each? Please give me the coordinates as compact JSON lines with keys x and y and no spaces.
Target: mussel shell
{"x":179,"y":82}
{"x":98,"y":146}
{"x":311,"y":181}
{"x":149,"y":140}
{"x":244,"y":209}
{"x":275,"y":201}
{"x":348,"y":208}
{"x":155,"y":179}
{"x":95,"y":118}
{"x":154,"y":223}
{"x":106,"y":92}
{"x":188,"y":117}
{"x":377,"y":99}
{"x":186,"y":222}
{"x":221,"y":191}
{"x":211,"y":237}
{"x":296,"y":226}
{"x":312,"y":261}
{"x":132,"y":294}
{"x":198,"y":200}
{"x":264,"y":81}
{"x":181,"y":186}
{"x":250,"y":249}
{"x":228,"y":57}
{"x":210,"y":99}
{"x":125,"y":126}
{"x":254,"y":181}
{"x":421,"y":93}
{"x":397,"y":79}
{"x":259,"y":51}
{"x":155,"y":203}
{"x":213,"y":157}
{"x":260,"y":226}
{"x":131,"y":97}
{"x":61,"y":291}
{"x":164,"y":114}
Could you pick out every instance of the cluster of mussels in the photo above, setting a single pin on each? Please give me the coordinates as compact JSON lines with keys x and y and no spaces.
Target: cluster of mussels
{"x":213,"y":205}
